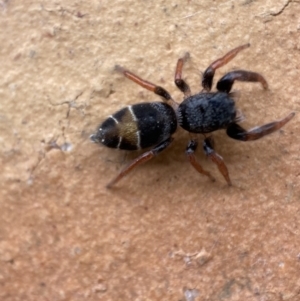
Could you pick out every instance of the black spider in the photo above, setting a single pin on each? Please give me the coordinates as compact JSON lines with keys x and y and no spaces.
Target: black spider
{"x":152,"y":124}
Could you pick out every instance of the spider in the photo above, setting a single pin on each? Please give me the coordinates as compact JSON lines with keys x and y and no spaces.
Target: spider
{"x":151,"y":125}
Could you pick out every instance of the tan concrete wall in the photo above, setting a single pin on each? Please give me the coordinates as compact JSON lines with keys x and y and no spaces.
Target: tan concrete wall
{"x":164,"y":228}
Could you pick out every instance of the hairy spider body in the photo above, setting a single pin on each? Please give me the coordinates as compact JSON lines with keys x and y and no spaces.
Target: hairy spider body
{"x":206,"y":112}
{"x":151,"y":125}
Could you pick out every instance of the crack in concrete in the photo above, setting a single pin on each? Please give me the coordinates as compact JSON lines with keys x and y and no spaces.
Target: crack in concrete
{"x":71,"y":104}
{"x":52,"y":144}
{"x":48,"y":146}
{"x":276,"y":13}
{"x":279,"y":12}
{"x":41,"y":157}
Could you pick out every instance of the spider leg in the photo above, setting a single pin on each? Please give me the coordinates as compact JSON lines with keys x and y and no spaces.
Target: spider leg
{"x":140,"y":160}
{"x":190,"y":150}
{"x":208,"y":146}
{"x":209,"y":73}
{"x":179,"y":82}
{"x":148,"y":85}
{"x":235,"y":131}
{"x":226,"y":82}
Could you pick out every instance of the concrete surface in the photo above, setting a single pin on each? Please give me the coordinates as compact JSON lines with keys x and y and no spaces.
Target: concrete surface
{"x":165,"y":232}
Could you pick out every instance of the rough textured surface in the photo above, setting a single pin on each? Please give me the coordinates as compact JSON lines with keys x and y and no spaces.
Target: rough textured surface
{"x":166,"y":232}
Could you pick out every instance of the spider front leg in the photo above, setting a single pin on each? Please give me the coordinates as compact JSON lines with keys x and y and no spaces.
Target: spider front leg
{"x":209,"y":73}
{"x":140,"y":160}
{"x":235,"y":131}
{"x":148,"y":85}
{"x":179,"y":82}
{"x":208,"y":146}
{"x":226,"y":82}
{"x":190,"y":150}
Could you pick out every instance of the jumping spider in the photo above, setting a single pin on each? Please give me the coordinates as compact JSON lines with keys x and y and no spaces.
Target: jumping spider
{"x":152,"y":124}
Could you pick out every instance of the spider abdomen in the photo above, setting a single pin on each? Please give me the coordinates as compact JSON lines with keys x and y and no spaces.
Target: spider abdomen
{"x":206,"y":112}
{"x":138,"y":126}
